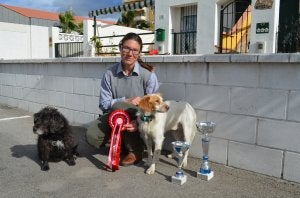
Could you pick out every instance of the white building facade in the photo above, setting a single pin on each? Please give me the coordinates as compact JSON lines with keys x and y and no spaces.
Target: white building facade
{"x":19,"y":41}
{"x":169,"y":16}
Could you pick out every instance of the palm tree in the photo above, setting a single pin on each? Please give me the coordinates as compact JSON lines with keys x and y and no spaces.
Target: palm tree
{"x":141,"y":24}
{"x":79,"y":28}
{"x":67,"y":22}
{"x":127,"y":19}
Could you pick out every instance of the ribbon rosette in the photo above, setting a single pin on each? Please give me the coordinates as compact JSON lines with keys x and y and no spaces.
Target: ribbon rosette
{"x":117,"y":119}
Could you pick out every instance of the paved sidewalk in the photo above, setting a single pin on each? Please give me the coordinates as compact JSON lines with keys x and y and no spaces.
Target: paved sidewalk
{"x":20,"y":174}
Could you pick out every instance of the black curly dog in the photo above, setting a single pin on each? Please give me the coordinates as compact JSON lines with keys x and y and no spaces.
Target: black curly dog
{"x":55,"y":137}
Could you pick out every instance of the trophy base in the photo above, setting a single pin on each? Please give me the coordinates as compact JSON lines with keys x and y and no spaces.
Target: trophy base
{"x":179,"y":180}
{"x":205,"y":177}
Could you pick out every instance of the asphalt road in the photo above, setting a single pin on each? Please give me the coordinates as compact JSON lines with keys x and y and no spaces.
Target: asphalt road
{"x":20,"y":174}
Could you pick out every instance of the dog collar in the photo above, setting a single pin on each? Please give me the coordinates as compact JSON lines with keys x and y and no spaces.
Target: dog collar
{"x":147,"y":118}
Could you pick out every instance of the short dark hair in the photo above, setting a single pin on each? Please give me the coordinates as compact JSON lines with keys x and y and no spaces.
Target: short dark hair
{"x":132,"y":36}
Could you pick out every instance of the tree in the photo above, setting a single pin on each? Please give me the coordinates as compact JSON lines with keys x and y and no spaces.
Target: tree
{"x":79,"y":28}
{"x":127,"y":19}
{"x":141,"y":24}
{"x":67,"y":22}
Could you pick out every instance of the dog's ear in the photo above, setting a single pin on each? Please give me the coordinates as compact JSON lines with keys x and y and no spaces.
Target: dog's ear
{"x":145,"y":104}
{"x":159,"y":95}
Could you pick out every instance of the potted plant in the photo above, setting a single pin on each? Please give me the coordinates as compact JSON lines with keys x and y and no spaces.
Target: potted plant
{"x":97,"y":44}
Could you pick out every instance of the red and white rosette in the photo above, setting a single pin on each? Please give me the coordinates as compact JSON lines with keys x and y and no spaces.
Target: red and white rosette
{"x":116,"y":120}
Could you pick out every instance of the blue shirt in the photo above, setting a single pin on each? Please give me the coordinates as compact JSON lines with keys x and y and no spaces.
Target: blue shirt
{"x":106,"y":99}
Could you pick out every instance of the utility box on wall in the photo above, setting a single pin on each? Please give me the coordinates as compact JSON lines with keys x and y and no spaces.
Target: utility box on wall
{"x":160,"y":38}
{"x":160,"y":35}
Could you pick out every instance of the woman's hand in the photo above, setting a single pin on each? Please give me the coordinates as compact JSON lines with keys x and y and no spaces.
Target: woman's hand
{"x":134,"y":100}
{"x":131,"y":127}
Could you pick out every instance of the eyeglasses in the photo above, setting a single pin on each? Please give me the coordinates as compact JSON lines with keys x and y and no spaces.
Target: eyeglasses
{"x":127,"y":50}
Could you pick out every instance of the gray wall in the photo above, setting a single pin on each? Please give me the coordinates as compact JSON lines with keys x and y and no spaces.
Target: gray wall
{"x":253,"y":99}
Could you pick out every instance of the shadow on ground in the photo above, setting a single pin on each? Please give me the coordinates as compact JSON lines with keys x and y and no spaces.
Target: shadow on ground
{"x":87,"y":151}
{"x":28,"y":150}
{"x":84,"y":149}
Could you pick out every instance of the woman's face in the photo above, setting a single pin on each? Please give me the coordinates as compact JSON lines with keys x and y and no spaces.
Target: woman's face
{"x":130,"y":52}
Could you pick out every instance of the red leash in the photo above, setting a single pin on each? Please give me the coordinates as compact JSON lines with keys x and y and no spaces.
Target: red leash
{"x":116,"y":120}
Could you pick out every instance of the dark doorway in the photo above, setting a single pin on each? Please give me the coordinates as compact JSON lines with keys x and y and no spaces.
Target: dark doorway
{"x":289,"y":26}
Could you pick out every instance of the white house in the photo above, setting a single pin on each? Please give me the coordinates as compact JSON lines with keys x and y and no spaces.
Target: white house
{"x":27,"y":33}
{"x":219,"y":26}
{"x":204,"y":18}
{"x":182,"y":27}
{"x":31,"y":34}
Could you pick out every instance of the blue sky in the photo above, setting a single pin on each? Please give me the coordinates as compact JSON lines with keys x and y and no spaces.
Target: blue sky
{"x":79,"y":7}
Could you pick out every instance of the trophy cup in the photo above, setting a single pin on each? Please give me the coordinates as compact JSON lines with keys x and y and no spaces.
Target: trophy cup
{"x":205,"y":171}
{"x":180,"y":148}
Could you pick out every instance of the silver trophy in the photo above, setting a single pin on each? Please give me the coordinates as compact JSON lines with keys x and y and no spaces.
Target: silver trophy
{"x":205,"y":171}
{"x":180,"y":148}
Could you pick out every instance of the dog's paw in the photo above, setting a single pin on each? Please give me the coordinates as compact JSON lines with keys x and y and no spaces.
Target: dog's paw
{"x":45,"y":167}
{"x":70,"y":162}
{"x":151,"y":170}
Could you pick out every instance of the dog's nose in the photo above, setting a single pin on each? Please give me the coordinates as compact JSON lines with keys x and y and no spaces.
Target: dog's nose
{"x":167,"y":107}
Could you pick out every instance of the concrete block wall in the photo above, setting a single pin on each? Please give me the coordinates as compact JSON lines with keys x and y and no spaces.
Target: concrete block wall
{"x":253,"y":99}
{"x":70,"y":85}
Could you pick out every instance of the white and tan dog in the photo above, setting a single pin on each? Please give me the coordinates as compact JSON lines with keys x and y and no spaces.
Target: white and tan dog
{"x":157,"y":117}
